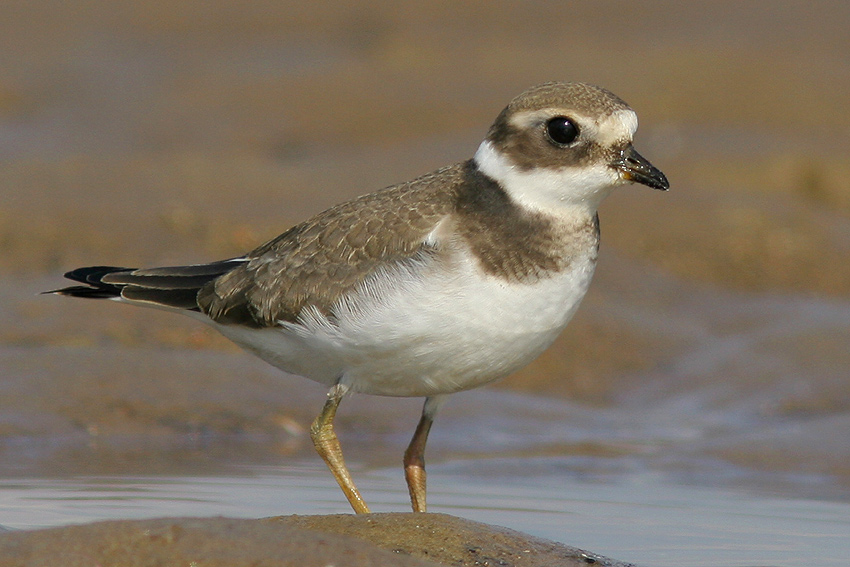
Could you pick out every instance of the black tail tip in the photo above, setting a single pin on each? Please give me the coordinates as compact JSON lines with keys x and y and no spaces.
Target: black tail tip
{"x":85,"y":291}
{"x":92,"y":275}
{"x":94,"y":288}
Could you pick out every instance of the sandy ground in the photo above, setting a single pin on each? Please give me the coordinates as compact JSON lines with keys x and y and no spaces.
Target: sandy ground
{"x":157,"y":133}
{"x":402,"y":540}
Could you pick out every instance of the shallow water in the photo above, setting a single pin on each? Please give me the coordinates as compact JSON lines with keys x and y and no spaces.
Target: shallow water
{"x":641,"y":519}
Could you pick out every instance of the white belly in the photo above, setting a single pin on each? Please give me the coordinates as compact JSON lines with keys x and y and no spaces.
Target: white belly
{"x":425,"y":333}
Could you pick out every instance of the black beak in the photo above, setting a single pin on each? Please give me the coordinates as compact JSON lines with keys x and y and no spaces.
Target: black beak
{"x":634,"y":167}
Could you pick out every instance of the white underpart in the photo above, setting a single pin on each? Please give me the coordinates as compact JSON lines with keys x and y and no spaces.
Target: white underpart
{"x":425,"y":328}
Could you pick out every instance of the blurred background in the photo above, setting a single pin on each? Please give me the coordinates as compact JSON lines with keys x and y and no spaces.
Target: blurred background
{"x":144,"y":133}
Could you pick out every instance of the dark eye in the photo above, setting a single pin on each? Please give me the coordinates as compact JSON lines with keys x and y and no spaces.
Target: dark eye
{"x":562,"y":130}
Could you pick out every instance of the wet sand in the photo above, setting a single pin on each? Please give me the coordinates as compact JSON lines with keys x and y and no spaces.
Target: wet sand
{"x":143,"y":134}
{"x":415,"y":540}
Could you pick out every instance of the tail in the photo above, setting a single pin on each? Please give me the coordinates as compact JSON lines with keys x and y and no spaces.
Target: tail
{"x":174,"y":287}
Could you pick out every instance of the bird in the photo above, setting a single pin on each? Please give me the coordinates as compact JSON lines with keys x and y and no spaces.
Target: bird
{"x":428,"y":287}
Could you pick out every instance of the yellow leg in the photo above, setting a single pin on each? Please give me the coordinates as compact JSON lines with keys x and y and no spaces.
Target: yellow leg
{"x":414,"y":456}
{"x":327,"y":445}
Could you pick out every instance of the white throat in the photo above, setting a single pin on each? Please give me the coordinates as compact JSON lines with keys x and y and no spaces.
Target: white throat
{"x":550,"y":191}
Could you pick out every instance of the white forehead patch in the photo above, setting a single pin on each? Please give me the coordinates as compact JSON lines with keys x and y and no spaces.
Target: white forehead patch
{"x":620,"y":125}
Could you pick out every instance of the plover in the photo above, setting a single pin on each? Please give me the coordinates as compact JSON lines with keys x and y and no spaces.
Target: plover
{"x":426,"y":288}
